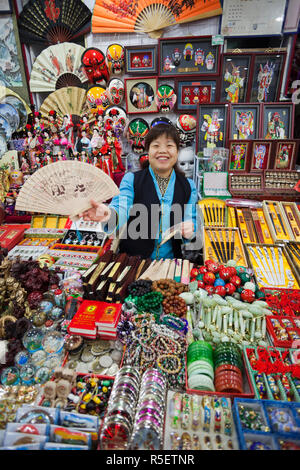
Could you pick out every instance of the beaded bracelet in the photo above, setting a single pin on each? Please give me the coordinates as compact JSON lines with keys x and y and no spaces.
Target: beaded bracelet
{"x":164,"y":368}
{"x":177,"y":323}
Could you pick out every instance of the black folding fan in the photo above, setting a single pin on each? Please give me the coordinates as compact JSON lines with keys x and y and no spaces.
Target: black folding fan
{"x":53,"y":21}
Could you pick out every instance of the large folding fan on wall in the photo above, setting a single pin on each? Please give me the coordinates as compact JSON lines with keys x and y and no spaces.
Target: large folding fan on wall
{"x":65,"y":188}
{"x":53,"y":21}
{"x":68,"y":100}
{"x":56,"y":67}
{"x":145,"y":16}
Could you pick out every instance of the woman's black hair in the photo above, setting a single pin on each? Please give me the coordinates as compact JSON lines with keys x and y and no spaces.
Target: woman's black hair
{"x":155,"y":132}
{"x":162,"y":129}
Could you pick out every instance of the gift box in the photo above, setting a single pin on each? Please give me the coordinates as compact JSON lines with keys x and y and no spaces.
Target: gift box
{"x":215,"y":184}
{"x":278,"y":224}
{"x":283,"y":331}
{"x":224,"y":245}
{"x":11,"y":235}
{"x":280,"y":184}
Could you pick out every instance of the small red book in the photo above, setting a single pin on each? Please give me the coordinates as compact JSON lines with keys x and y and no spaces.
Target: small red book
{"x":83,"y":322}
{"x":107,"y":316}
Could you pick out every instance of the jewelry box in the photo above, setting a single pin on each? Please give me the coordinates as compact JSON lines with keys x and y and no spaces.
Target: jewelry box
{"x":291,"y":211}
{"x":272,"y":266}
{"x":277,"y":221}
{"x":215,"y":184}
{"x":214,"y":212}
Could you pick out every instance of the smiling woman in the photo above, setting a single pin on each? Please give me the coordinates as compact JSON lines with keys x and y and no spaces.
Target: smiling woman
{"x":152,"y":200}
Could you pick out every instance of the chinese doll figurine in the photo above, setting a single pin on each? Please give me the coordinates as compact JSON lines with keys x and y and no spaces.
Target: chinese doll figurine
{"x":97,"y":140}
{"x":212,"y":128}
{"x":264,"y":79}
{"x":84,"y":142}
{"x":38,"y":126}
{"x":236,"y":83}
{"x":239,"y":158}
{"x":244,"y":124}
{"x":276,"y":128}
{"x":84,"y":125}
{"x":53,"y":126}
{"x":259,"y":156}
{"x":24,"y":165}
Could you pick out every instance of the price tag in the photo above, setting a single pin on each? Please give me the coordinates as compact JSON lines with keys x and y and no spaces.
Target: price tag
{"x":217,"y":40}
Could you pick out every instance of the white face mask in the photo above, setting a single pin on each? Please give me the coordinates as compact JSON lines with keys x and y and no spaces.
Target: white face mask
{"x":186,"y":161}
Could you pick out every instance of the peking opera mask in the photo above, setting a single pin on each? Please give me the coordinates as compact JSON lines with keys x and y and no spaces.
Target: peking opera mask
{"x":138,"y":129}
{"x":116,"y":91}
{"x":165,"y":98}
{"x":95,"y":67}
{"x":186,"y":126}
{"x":115,"y":59}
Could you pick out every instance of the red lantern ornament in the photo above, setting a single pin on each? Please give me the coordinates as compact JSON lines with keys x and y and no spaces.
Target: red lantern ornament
{"x":232,"y":270}
{"x":194,"y":272}
{"x":201,"y":285}
{"x":230,"y":288}
{"x":220,"y":290}
{"x":247,"y":295}
{"x":210,"y":289}
{"x":202,"y":270}
{"x":209,"y":278}
{"x":225,"y":274}
{"x":236,"y":281}
{"x":212,"y":267}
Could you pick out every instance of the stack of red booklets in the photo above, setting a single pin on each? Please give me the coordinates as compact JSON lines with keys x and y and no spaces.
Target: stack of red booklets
{"x":96,"y":319}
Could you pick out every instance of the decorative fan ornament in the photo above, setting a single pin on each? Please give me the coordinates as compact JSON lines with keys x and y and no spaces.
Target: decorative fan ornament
{"x":65,"y":101}
{"x":53,"y":21}
{"x":57,"y":67}
{"x":65,"y":188}
{"x":144,"y":16}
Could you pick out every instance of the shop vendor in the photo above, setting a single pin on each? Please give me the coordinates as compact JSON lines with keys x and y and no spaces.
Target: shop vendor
{"x":151,"y":201}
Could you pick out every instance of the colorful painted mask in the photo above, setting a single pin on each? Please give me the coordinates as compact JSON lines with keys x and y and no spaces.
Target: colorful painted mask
{"x":136,"y":61}
{"x":115,"y":59}
{"x":97,"y":98}
{"x":16,"y":177}
{"x":93,"y":61}
{"x":165,"y":98}
{"x":167,"y":64}
{"x":176,"y":57}
{"x":186,"y":126}
{"x":199,"y":57}
{"x":161,"y":120}
{"x":115,"y":91}
{"x":210,"y":61}
{"x":188,"y":52}
{"x":138,"y":129}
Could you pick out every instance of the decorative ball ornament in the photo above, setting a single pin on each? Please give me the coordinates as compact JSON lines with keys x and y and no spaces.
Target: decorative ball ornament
{"x":225,"y":274}
{"x":46,"y":260}
{"x":248,"y":295}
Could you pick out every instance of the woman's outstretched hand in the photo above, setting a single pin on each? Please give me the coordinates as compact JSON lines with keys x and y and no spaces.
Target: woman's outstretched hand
{"x":98,"y":212}
{"x":187,"y":229}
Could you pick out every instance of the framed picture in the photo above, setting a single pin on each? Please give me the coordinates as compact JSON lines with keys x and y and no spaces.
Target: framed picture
{"x":141,"y":60}
{"x":244,"y":121}
{"x":285,"y":155}
{"x":211,"y":126}
{"x":235,"y":78}
{"x":140,"y":95}
{"x":238,"y":155}
{"x":261,"y":155}
{"x":266,"y":80}
{"x":278,"y":121}
{"x":188,"y":56}
{"x":190,"y":93}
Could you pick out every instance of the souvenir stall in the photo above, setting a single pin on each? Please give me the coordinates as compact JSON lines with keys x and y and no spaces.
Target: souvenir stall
{"x":103,"y":350}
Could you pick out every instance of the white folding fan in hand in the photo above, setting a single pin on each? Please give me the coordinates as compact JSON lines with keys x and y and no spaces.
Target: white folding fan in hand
{"x":65,"y":188}
{"x":56,"y":67}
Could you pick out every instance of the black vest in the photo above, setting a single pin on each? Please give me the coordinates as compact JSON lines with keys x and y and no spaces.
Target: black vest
{"x":145,"y":193}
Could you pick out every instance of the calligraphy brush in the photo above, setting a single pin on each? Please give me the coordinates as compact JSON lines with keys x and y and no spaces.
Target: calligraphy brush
{"x":294,"y":250}
{"x":223,"y":216}
{"x":208,"y":207}
{"x":222,"y":245}
{"x":213,"y":244}
{"x":214,"y":214}
{"x":248,"y":221}
{"x":217,"y":214}
{"x":206,"y":214}
{"x":232,"y":240}
{"x":280,"y":220}
{"x":272,"y":219}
